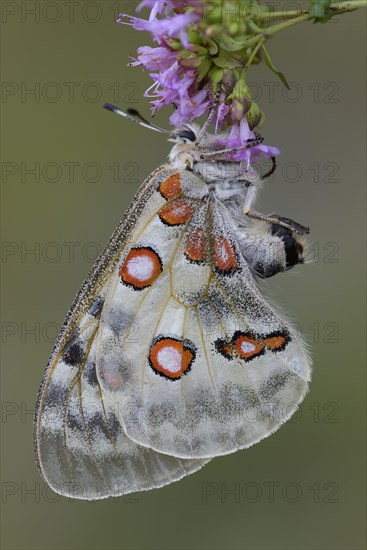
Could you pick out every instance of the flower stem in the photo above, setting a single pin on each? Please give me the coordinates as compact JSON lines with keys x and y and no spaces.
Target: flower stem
{"x":276,"y":15}
{"x":335,"y":7}
{"x":295,"y":17}
{"x":265,"y":33}
{"x":253,"y":54}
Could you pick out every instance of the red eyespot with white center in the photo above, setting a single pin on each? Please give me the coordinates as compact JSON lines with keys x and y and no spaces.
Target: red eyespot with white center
{"x":141,"y":268}
{"x":246,"y":346}
{"x":171,"y":357}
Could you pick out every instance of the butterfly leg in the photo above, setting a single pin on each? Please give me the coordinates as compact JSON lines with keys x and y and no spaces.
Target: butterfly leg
{"x":274,"y":219}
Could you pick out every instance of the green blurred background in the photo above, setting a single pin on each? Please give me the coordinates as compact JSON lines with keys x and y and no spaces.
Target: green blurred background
{"x":302,"y":488}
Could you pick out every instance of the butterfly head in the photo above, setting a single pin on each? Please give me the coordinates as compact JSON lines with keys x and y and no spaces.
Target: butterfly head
{"x":200,"y":152}
{"x":186,"y":149}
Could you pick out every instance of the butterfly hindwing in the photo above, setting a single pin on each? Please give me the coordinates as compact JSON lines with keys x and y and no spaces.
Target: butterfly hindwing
{"x":212,"y":368}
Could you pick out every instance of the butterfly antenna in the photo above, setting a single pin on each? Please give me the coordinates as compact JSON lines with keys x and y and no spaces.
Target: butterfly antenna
{"x":209,"y":119}
{"x":134,"y":115}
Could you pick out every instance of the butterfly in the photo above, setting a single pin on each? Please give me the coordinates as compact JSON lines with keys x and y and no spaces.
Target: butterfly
{"x":170,"y":355}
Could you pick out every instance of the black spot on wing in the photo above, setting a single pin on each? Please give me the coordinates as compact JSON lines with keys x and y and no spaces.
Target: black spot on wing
{"x":110,"y":429}
{"x":74,"y":355}
{"x":114,"y":426}
{"x":90,"y":374}
{"x":56,"y":395}
{"x":74,"y":421}
{"x":96,"y":307}
{"x":120,"y":321}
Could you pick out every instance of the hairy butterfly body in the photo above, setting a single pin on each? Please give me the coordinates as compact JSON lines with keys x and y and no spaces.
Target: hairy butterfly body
{"x":170,"y":355}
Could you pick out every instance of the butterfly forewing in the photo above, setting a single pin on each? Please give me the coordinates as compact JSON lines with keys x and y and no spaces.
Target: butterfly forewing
{"x":81,"y":446}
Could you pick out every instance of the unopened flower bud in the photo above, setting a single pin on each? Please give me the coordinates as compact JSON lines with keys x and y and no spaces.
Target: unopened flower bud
{"x":254,"y":116}
{"x":216,"y":75}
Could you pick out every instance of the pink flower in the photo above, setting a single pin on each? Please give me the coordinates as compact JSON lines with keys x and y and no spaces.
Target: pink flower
{"x":155,"y":59}
{"x":223,"y":111}
{"x":174,"y":27}
{"x":164,"y":6}
{"x":157,"y":6}
{"x":186,"y":76}
{"x":175,"y":86}
{"x":189,"y":107}
{"x":174,"y":83}
{"x":239,"y":135}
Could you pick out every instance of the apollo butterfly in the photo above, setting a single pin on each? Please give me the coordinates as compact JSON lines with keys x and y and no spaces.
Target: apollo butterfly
{"x":213,"y":368}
